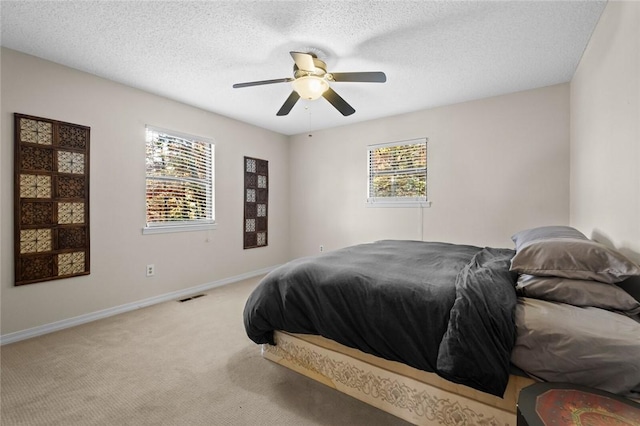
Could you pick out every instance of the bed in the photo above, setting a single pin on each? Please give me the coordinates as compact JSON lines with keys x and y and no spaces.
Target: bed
{"x":439,"y":333}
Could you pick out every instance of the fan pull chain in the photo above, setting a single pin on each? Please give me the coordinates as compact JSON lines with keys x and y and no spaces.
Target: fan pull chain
{"x":309,"y":120}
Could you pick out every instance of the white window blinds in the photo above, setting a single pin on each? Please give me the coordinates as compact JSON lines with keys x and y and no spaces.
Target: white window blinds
{"x":179,"y":177}
{"x":398,"y":172}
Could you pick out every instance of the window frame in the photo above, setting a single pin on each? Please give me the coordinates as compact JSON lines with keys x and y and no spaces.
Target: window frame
{"x":420,"y":201}
{"x":183,"y":225}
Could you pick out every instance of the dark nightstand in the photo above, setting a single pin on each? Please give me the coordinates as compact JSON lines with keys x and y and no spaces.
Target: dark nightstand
{"x":561,"y":404}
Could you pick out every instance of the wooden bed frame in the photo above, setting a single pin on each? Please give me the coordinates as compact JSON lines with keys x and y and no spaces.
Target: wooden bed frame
{"x":416,"y":396}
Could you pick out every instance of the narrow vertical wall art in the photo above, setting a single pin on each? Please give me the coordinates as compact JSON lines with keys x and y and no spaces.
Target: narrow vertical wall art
{"x":51,"y":199}
{"x":256,"y":202}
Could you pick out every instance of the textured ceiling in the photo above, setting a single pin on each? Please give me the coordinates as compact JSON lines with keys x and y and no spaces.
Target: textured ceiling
{"x":433,"y":52}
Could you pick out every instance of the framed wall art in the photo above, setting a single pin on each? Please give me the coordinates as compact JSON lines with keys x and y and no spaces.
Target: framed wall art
{"x":51,"y":188}
{"x":256,"y":202}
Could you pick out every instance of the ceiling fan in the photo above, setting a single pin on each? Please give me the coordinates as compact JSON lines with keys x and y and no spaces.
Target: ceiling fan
{"x":311,"y":80}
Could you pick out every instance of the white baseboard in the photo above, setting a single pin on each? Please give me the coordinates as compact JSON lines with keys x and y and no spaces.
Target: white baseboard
{"x":93,"y":316}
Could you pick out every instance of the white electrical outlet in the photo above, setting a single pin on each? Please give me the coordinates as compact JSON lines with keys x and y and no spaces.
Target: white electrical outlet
{"x":321,"y":248}
{"x":151,"y":270}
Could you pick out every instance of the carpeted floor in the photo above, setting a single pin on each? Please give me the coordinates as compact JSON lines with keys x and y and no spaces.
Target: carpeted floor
{"x":170,"y":364}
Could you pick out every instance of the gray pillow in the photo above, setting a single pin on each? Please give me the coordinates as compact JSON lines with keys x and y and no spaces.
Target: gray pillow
{"x":578,"y":293}
{"x":592,"y":347}
{"x":577,"y":259}
{"x":545,"y":232}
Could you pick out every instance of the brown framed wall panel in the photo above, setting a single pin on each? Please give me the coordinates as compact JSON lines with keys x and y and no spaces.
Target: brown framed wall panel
{"x":256,"y":203}
{"x":51,"y":199}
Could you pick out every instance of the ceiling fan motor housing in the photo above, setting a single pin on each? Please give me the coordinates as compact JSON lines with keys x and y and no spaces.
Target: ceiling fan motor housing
{"x":319,"y":71}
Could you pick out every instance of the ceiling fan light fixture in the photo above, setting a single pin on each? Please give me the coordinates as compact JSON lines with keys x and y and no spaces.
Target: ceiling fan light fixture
{"x":310,"y":87}
{"x":311,"y":81}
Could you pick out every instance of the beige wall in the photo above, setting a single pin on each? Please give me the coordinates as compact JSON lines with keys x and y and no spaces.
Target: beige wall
{"x":495,"y":166}
{"x":119,"y":252}
{"x":605,"y":131}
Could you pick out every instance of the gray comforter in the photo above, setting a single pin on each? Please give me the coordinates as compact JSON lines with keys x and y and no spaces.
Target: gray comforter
{"x":438,"y":307}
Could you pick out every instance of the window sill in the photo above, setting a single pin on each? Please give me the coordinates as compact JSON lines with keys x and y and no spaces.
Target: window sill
{"x":400,"y":204}
{"x":148,"y":230}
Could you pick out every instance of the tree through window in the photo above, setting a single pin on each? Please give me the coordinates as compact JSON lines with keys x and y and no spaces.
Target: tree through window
{"x":179,"y":179}
{"x":398,"y":172}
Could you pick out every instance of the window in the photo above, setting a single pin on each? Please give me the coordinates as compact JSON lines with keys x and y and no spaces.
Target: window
{"x":179,"y":178}
{"x":398,"y":173}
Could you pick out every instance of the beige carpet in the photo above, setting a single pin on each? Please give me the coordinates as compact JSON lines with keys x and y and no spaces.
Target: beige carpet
{"x":170,"y":364}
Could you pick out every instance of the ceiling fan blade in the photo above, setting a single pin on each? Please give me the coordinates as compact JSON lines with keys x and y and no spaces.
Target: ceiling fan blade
{"x":304,"y":61}
{"x":363,"y":77}
{"x":337,"y":101}
{"x":289,"y":103}
{"x":260,"y":83}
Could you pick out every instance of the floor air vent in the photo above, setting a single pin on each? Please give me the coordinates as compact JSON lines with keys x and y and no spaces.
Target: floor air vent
{"x":191,"y":298}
